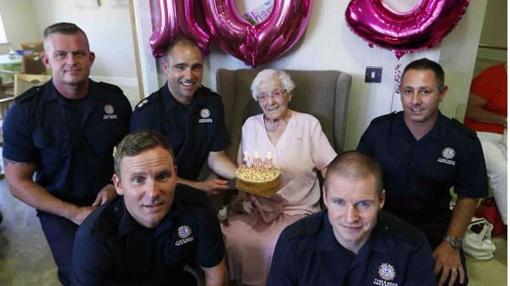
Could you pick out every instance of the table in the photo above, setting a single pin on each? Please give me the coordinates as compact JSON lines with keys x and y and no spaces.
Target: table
{"x":9,"y":65}
{"x":6,"y":59}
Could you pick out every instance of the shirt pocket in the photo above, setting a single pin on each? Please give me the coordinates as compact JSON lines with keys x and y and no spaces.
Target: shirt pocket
{"x":54,"y":148}
{"x":103,"y":136}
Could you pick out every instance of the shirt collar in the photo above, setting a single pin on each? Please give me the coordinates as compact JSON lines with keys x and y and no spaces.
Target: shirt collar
{"x":51,"y":93}
{"x":170,"y":102}
{"x":438,"y":132}
{"x":127,"y":223}
{"x":326,"y":240}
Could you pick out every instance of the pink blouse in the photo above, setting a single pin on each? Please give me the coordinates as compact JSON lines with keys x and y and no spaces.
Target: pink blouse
{"x":301,"y":149}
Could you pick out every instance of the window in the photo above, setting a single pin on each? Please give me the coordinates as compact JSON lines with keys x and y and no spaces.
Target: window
{"x":3,"y":37}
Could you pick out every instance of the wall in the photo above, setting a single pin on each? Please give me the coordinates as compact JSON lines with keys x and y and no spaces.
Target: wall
{"x":108,"y":29}
{"x":494,"y":32}
{"x":19,"y":23}
{"x":493,"y":40}
{"x":329,"y":44}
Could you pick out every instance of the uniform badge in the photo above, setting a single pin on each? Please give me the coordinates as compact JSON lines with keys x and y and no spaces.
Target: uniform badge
{"x":109,"y":111}
{"x":184,"y":231}
{"x":184,"y":235}
{"x":205,"y":115}
{"x":387,"y":271}
{"x":447,"y":154}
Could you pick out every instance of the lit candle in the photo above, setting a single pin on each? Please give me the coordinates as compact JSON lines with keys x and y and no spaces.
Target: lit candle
{"x":269,"y":160}
{"x":257,"y":162}
{"x":246,"y":159}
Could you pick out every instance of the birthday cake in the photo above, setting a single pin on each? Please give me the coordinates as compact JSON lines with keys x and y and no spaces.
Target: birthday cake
{"x":257,"y":176}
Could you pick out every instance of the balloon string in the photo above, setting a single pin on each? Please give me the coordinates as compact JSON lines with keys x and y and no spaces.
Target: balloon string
{"x":397,"y":75}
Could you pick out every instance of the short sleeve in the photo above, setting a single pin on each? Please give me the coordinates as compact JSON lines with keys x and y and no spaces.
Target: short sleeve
{"x":210,"y":248}
{"x":17,"y":135}
{"x":471,"y":179}
{"x":91,"y":261}
{"x":220,"y":140}
{"x":364,"y":143}
{"x":322,"y":152}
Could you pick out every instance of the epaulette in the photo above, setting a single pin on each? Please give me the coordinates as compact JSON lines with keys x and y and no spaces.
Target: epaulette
{"x":106,"y":221}
{"x":30,"y":93}
{"x":463,"y":128}
{"x":145,"y":102}
{"x":308,"y":226}
{"x":384,"y":117}
{"x":110,"y":86}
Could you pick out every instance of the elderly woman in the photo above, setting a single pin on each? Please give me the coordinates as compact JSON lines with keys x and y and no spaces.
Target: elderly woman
{"x":299,"y":148}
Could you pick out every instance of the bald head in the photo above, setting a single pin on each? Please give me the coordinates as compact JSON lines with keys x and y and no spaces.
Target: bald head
{"x":181,"y":42}
{"x":354,"y":165}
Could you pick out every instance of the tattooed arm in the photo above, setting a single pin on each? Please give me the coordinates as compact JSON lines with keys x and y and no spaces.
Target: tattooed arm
{"x":19,"y":177}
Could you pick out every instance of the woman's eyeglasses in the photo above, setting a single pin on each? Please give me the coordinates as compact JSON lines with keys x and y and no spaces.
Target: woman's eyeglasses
{"x":276,"y":94}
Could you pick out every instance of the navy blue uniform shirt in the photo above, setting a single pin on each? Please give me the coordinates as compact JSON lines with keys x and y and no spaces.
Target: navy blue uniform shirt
{"x":307,"y":253}
{"x":193,"y":131}
{"x":111,"y":248}
{"x":70,"y":142}
{"x":418,"y":174}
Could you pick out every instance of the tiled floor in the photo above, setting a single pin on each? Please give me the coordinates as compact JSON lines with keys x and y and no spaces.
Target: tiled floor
{"x":25,"y":258}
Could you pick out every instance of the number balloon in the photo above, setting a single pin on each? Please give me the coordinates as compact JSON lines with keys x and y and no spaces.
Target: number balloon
{"x":261,"y":43}
{"x":178,"y":18}
{"x":422,"y":27}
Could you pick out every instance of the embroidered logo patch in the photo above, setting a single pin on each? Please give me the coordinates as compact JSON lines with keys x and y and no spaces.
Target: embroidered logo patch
{"x":185,"y":235}
{"x":448,"y":154}
{"x":184,"y":231}
{"x":109,"y":112}
{"x":205,"y":114}
{"x":387,"y":274}
{"x":108,"y":109}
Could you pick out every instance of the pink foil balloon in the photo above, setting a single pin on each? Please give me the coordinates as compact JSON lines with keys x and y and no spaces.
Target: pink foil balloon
{"x":261,"y":43}
{"x":422,"y":27}
{"x":178,"y":18}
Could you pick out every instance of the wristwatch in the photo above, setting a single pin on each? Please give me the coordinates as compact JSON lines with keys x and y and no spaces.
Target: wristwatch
{"x":454,"y":242}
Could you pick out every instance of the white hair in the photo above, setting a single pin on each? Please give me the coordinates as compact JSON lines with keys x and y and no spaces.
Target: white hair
{"x":286,"y":81}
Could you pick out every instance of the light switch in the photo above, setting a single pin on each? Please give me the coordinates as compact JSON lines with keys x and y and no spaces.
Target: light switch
{"x":373,"y":74}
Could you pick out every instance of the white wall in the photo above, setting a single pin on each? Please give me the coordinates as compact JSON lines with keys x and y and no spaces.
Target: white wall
{"x":19,"y":22}
{"x":329,"y":44}
{"x":108,"y":29}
